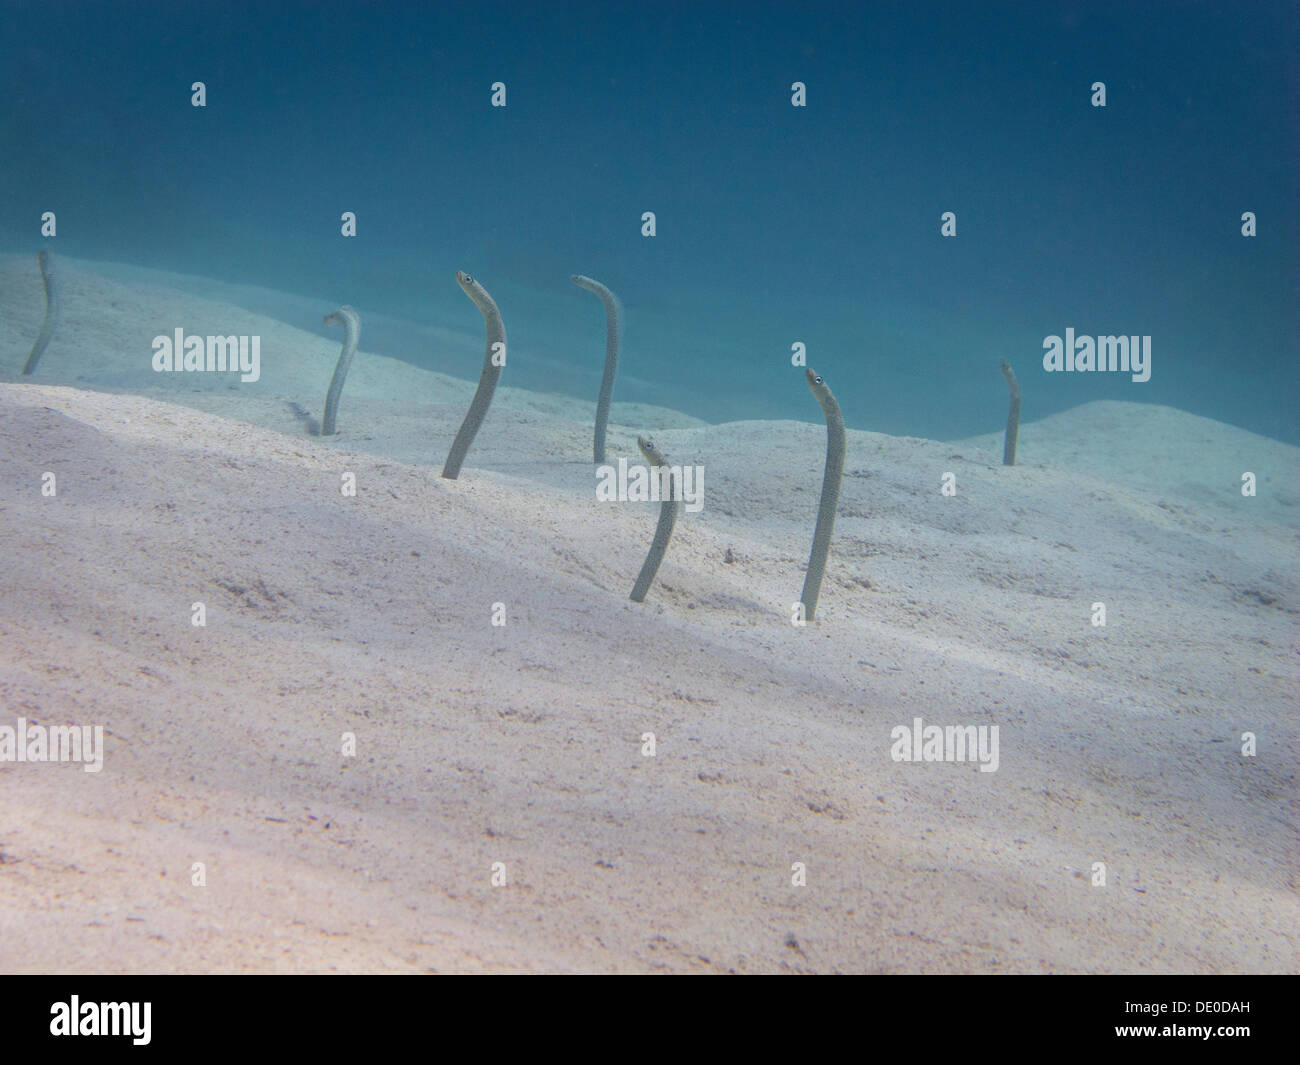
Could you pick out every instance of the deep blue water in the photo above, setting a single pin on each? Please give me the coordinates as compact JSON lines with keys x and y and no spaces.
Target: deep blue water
{"x":776,"y":224}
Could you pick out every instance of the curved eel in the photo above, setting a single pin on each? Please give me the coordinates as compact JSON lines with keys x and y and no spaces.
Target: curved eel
{"x":613,"y":317}
{"x":668,"y":509}
{"x":812,"y":582}
{"x":487,"y":382}
{"x":52,"y":287}
{"x":351,"y":323}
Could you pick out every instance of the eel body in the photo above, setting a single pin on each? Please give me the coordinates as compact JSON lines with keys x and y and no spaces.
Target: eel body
{"x":351,"y":323}
{"x":487,"y":382}
{"x":50,"y":276}
{"x":668,"y":509}
{"x":1013,"y":416}
{"x":613,"y":318}
{"x":834,"y":472}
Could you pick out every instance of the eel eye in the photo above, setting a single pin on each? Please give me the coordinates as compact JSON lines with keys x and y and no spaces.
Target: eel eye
{"x":819,"y":381}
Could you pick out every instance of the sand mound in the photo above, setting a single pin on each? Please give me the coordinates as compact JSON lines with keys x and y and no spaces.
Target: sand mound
{"x":477,"y":744}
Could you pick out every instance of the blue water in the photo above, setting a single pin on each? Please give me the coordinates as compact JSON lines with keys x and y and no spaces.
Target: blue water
{"x":776,"y":224}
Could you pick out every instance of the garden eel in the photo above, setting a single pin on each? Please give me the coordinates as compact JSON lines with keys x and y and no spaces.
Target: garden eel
{"x":487,"y":382}
{"x":613,"y":318}
{"x":351,"y":323}
{"x":812,"y":582}
{"x":51,"y":278}
{"x":1013,"y":416}
{"x":667,"y":519}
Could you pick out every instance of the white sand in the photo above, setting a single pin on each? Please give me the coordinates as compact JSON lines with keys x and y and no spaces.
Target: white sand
{"x":521,"y":745}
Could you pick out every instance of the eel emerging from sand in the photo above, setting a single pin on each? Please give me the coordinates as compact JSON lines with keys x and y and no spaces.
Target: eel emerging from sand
{"x":1013,"y":416}
{"x":487,"y":382}
{"x":667,"y":519}
{"x":812,"y":582}
{"x":351,"y":323}
{"x":52,"y":287}
{"x":612,"y":319}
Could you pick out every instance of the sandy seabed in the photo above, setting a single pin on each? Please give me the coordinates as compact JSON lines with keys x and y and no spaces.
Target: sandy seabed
{"x":522,"y":744}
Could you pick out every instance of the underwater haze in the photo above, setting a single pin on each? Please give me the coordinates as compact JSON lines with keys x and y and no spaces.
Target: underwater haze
{"x":782,"y":215}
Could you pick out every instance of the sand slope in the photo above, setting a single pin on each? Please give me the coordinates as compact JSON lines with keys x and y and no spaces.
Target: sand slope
{"x":522,"y":744}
